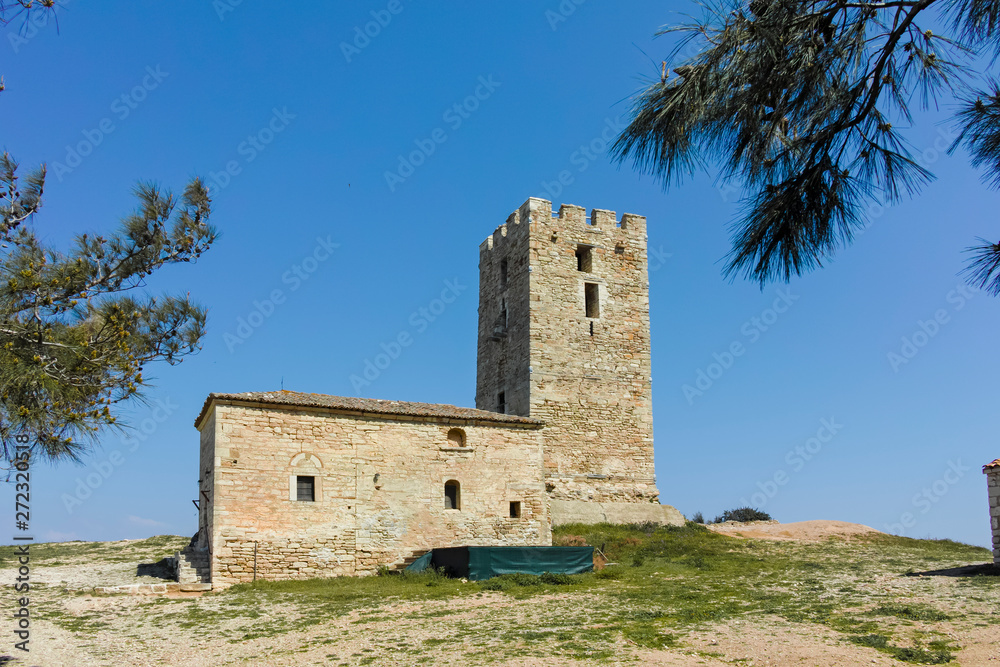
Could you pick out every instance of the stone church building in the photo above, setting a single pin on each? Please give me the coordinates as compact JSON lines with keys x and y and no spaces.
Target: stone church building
{"x":303,"y":485}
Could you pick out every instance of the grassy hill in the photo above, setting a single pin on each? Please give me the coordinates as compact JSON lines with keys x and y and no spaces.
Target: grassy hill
{"x":672,"y":594}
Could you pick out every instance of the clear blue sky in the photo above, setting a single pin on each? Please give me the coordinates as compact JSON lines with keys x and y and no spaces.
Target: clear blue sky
{"x":309,"y":132}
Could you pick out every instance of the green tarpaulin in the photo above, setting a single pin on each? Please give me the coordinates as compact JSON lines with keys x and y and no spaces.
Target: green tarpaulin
{"x":477,"y":563}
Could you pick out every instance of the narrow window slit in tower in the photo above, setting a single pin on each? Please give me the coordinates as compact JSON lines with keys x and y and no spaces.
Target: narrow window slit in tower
{"x":503,"y":273}
{"x":501,"y":403}
{"x":584,"y":258}
{"x":591,"y":328}
{"x":593,"y":307}
{"x":452,"y":495}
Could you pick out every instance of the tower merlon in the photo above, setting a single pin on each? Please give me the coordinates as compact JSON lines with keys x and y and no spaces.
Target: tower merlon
{"x":499,"y":234}
{"x":633,"y":222}
{"x":516,"y":226}
{"x":568,"y":215}
{"x":603,"y":219}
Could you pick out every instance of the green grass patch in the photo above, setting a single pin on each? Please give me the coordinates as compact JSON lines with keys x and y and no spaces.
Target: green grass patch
{"x":937,"y":654}
{"x":909,"y":612}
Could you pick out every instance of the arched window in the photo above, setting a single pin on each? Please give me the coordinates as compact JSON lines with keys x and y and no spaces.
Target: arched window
{"x":452,"y":495}
{"x":305,"y":483}
{"x":456,"y":437}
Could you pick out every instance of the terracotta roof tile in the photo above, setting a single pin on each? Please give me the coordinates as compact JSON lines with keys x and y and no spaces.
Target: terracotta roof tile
{"x":991,"y":465}
{"x":367,"y":405}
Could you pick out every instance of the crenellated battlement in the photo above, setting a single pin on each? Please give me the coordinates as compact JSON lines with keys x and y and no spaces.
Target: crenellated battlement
{"x":569,"y":216}
{"x":599,"y":218}
{"x":517,"y":223}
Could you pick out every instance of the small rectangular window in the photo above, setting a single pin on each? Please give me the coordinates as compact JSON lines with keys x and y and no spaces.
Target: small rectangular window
{"x":451,"y":495}
{"x":515,"y":509}
{"x":305,"y":488}
{"x":501,"y":403}
{"x":584,"y":258}
{"x":593,"y":303}
{"x":503,"y":273}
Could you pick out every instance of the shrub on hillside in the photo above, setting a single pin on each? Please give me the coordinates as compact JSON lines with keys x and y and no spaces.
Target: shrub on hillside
{"x":506,"y":582}
{"x":743,"y":514}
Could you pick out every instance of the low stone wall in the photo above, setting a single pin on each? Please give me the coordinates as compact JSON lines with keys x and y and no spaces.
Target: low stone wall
{"x":138,"y":589}
{"x":151,"y":589}
{"x":240,"y":559}
{"x":576,"y":511}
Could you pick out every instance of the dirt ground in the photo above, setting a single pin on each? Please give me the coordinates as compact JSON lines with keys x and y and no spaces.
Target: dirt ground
{"x":355,"y":640}
{"x":73,"y":628}
{"x":803,"y":531}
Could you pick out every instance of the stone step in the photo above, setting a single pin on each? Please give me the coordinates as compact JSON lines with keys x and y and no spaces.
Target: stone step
{"x":408,"y":560}
{"x":194,"y":571}
{"x":192,"y":557}
{"x":193,"y":568}
{"x":200,"y":569}
{"x":153,"y":589}
{"x":194,"y":587}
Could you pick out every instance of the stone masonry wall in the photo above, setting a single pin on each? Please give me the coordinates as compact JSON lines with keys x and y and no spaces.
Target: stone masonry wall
{"x":504,"y":344}
{"x":379,"y":490}
{"x":206,"y":479}
{"x":587,"y":378}
{"x":993,"y":482}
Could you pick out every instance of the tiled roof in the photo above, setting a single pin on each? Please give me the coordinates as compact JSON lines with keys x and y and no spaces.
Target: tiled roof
{"x":366,"y":405}
{"x":991,"y":465}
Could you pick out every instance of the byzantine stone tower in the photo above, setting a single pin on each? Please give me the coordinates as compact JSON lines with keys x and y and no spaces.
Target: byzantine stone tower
{"x":564,"y":337}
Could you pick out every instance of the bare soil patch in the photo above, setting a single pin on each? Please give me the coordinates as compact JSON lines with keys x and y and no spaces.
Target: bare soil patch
{"x":802,"y":531}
